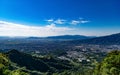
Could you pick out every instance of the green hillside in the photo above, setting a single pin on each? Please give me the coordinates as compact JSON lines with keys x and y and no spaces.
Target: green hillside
{"x":18,"y":63}
{"x":110,"y":65}
{"x":5,"y":67}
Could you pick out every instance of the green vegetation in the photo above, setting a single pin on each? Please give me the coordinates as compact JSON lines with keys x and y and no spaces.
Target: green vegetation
{"x":5,"y":67}
{"x":18,"y":63}
{"x":110,"y":65}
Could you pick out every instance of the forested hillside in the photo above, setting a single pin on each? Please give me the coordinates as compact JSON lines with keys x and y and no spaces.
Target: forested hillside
{"x":110,"y":65}
{"x":18,"y":63}
{"x":6,"y":69}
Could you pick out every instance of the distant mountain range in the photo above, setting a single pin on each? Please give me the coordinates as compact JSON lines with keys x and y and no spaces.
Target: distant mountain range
{"x":65,"y":37}
{"x":113,"y":39}
{"x":70,"y":37}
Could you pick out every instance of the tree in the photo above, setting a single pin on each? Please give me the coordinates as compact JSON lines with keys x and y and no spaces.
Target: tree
{"x":4,"y":67}
{"x":110,"y":65}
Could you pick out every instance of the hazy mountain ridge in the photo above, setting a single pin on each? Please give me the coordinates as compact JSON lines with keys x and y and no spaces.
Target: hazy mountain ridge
{"x":73,"y":37}
{"x":46,"y":45}
{"x":59,"y":37}
{"x":113,"y":39}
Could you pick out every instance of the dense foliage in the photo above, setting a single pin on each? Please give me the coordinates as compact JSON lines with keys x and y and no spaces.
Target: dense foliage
{"x":110,"y":65}
{"x":5,"y":67}
{"x":43,"y":64}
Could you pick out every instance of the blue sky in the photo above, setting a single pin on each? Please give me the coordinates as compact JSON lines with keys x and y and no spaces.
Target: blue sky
{"x":59,"y":17}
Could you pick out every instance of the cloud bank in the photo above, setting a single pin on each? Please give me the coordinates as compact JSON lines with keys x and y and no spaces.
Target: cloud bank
{"x":12,"y":29}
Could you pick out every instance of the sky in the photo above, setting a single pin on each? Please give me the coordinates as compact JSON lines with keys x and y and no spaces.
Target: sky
{"x":59,"y":17}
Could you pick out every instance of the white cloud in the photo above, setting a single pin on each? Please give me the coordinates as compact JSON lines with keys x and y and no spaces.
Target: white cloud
{"x":81,"y":21}
{"x":12,"y":29}
{"x":60,"y":21}
{"x":49,"y":20}
{"x":75,"y":22}
{"x":63,"y":21}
